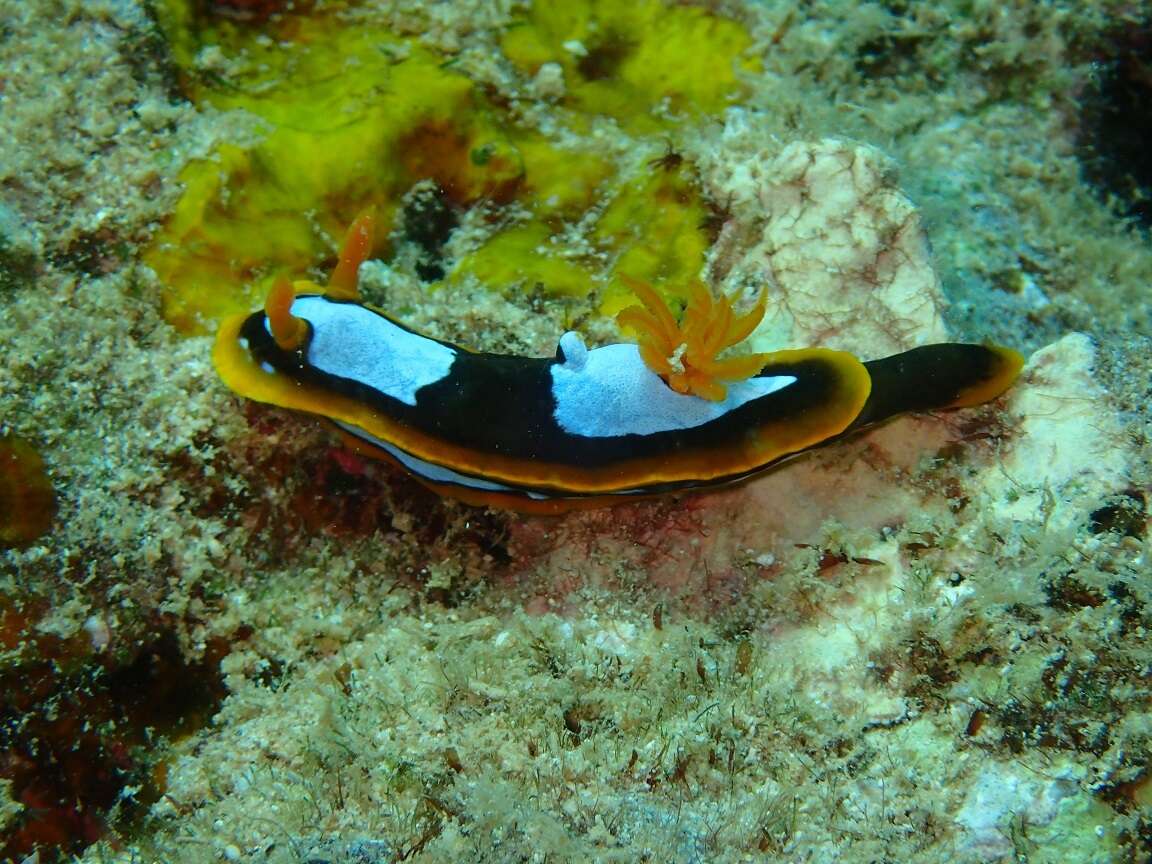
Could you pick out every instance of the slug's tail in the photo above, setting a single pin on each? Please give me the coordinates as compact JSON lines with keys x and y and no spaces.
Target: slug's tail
{"x":935,"y":378}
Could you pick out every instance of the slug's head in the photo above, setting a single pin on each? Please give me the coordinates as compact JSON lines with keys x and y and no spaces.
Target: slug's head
{"x":289,"y":331}
{"x":686,"y":353}
{"x":250,"y":348}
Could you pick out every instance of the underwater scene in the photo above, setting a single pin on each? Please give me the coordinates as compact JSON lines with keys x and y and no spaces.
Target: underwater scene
{"x":508,"y":431}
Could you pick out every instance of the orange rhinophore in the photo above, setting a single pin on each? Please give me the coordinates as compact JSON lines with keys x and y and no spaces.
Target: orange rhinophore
{"x":288,"y":330}
{"x":344,"y":284}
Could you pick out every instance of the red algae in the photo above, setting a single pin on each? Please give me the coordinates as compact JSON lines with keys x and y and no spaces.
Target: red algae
{"x":79,"y":727}
{"x":27,"y":502}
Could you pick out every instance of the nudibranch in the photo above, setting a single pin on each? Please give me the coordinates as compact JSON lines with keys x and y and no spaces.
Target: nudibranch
{"x":587,"y":427}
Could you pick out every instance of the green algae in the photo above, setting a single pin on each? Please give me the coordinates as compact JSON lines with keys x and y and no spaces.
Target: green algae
{"x":626,"y":59}
{"x":352,"y":114}
{"x":348,"y":124}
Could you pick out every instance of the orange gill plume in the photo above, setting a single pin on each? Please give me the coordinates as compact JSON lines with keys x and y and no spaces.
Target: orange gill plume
{"x":686,"y":354}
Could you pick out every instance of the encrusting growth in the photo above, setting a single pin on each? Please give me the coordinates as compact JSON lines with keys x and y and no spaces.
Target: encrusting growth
{"x":687,"y":354}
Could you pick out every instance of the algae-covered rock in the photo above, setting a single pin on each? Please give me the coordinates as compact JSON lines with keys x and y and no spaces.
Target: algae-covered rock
{"x":19,"y":253}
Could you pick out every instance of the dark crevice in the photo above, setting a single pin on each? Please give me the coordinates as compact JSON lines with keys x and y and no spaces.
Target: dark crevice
{"x":1116,"y":125}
